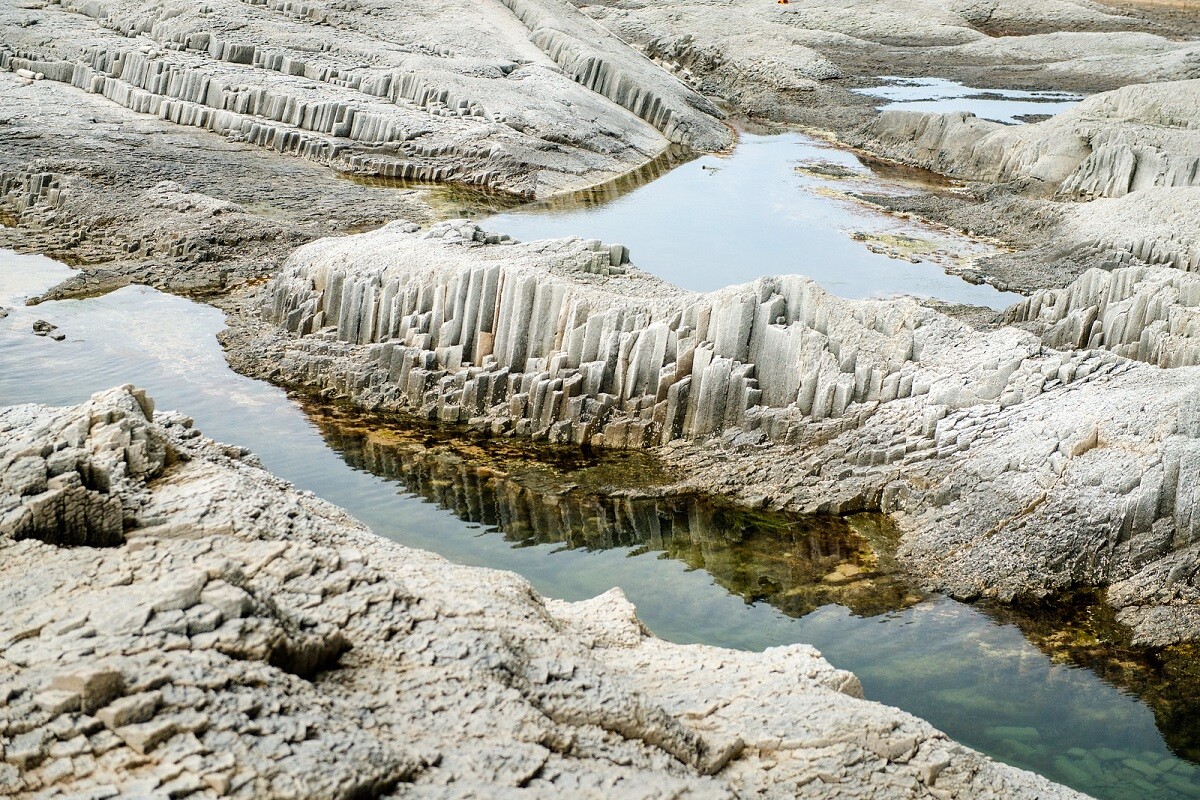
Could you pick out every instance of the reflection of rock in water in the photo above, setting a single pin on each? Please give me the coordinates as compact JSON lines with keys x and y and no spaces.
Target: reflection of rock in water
{"x":795,"y":563}
{"x":1083,"y":631}
{"x":674,"y":156}
{"x":457,"y":200}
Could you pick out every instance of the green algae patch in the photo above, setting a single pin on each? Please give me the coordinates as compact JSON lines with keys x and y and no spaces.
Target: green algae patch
{"x":594,"y":501}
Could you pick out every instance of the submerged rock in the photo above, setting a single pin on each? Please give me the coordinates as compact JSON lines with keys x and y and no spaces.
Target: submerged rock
{"x":252,"y":641}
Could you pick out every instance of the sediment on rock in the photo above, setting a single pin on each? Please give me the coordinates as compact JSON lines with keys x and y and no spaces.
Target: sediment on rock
{"x":156,"y":664}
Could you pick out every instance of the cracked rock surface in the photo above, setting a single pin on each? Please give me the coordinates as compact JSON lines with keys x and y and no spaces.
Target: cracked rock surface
{"x":239,"y":638}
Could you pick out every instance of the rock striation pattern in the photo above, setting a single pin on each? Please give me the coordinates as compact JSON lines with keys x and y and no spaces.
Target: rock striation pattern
{"x":379,"y":92}
{"x":1014,"y":469}
{"x":561,"y":340}
{"x":1148,"y":313}
{"x":248,"y":640}
{"x":1110,"y":145}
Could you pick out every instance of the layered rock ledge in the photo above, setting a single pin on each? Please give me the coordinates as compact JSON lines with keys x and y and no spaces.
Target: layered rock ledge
{"x":527,"y":96}
{"x":230,"y":636}
{"x":1014,"y":468}
{"x":1109,"y":145}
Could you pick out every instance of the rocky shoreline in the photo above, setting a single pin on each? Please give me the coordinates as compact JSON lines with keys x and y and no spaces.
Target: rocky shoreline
{"x":1014,"y":469}
{"x":260,"y":155}
{"x":182,"y":623}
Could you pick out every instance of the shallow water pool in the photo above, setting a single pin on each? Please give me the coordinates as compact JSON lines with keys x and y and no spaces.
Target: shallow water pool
{"x":941,"y":96}
{"x":775,"y":206}
{"x":697,"y":572}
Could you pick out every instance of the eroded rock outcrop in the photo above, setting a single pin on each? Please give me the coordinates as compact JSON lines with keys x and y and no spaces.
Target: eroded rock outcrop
{"x":561,"y":340}
{"x":1014,"y":469}
{"x":252,"y":641}
{"x":389,"y":93}
{"x":1110,"y":145}
{"x":778,"y":60}
{"x":1148,"y":313}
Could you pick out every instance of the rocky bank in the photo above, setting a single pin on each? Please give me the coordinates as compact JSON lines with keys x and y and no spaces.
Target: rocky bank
{"x":181,"y":623}
{"x":186,"y":624}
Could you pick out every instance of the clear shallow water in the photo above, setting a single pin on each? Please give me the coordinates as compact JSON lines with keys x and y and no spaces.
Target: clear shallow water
{"x":695,"y":575}
{"x":939,"y":96}
{"x":722,"y":220}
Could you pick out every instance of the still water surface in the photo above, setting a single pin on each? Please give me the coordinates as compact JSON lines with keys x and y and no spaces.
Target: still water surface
{"x":940,"y":96}
{"x":696,"y":574}
{"x":720,"y":220}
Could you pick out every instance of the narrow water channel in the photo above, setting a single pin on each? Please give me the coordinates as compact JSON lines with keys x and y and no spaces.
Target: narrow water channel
{"x":697,"y":571}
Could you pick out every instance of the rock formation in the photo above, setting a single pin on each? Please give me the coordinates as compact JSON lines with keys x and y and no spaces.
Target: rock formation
{"x":233,"y":637}
{"x":389,"y":94}
{"x":1147,"y":313}
{"x":1013,"y":468}
{"x":1109,"y":145}
{"x":778,"y":60}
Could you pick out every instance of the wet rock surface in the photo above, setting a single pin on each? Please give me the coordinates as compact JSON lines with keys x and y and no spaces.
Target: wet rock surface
{"x":249,"y":640}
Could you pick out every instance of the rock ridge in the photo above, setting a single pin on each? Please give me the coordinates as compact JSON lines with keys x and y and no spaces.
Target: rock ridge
{"x":1014,"y":469}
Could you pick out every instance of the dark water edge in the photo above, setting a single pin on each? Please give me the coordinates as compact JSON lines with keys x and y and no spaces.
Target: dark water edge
{"x":596,"y":502}
{"x":1009,"y":702}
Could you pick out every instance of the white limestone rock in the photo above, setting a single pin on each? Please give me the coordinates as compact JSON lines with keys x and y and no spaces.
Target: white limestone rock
{"x":1110,"y":145}
{"x":360,"y":667}
{"x":1015,"y":469}
{"x":447,"y":92}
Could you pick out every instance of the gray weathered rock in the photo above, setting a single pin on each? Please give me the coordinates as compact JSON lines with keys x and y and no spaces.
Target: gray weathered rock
{"x":1014,"y":469}
{"x":388,"y":93}
{"x":1110,"y":145}
{"x":444,"y":691}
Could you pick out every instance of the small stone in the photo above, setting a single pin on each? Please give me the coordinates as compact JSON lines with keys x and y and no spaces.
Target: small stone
{"x":231,"y":601}
{"x":218,"y":782}
{"x":129,"y":710}
{"x":145,"y":736}
{"x":57,"y":702}
{"x":95,"y":686}
{"x":181,"y":591}
{"x":27,"y":750}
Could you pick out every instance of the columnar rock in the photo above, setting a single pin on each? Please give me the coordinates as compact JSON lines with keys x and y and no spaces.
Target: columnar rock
{"x":1148,"y":313}
{"x":386,"y":93}
{"x":562,"y":340}
{"x":241,"y":639}
{"x":1110,"y":145}
{"x":1014,"y":469}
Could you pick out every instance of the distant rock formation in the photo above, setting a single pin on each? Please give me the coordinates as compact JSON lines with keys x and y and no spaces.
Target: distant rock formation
{"x":370,"y":94}
{"x":1110,"y":145}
